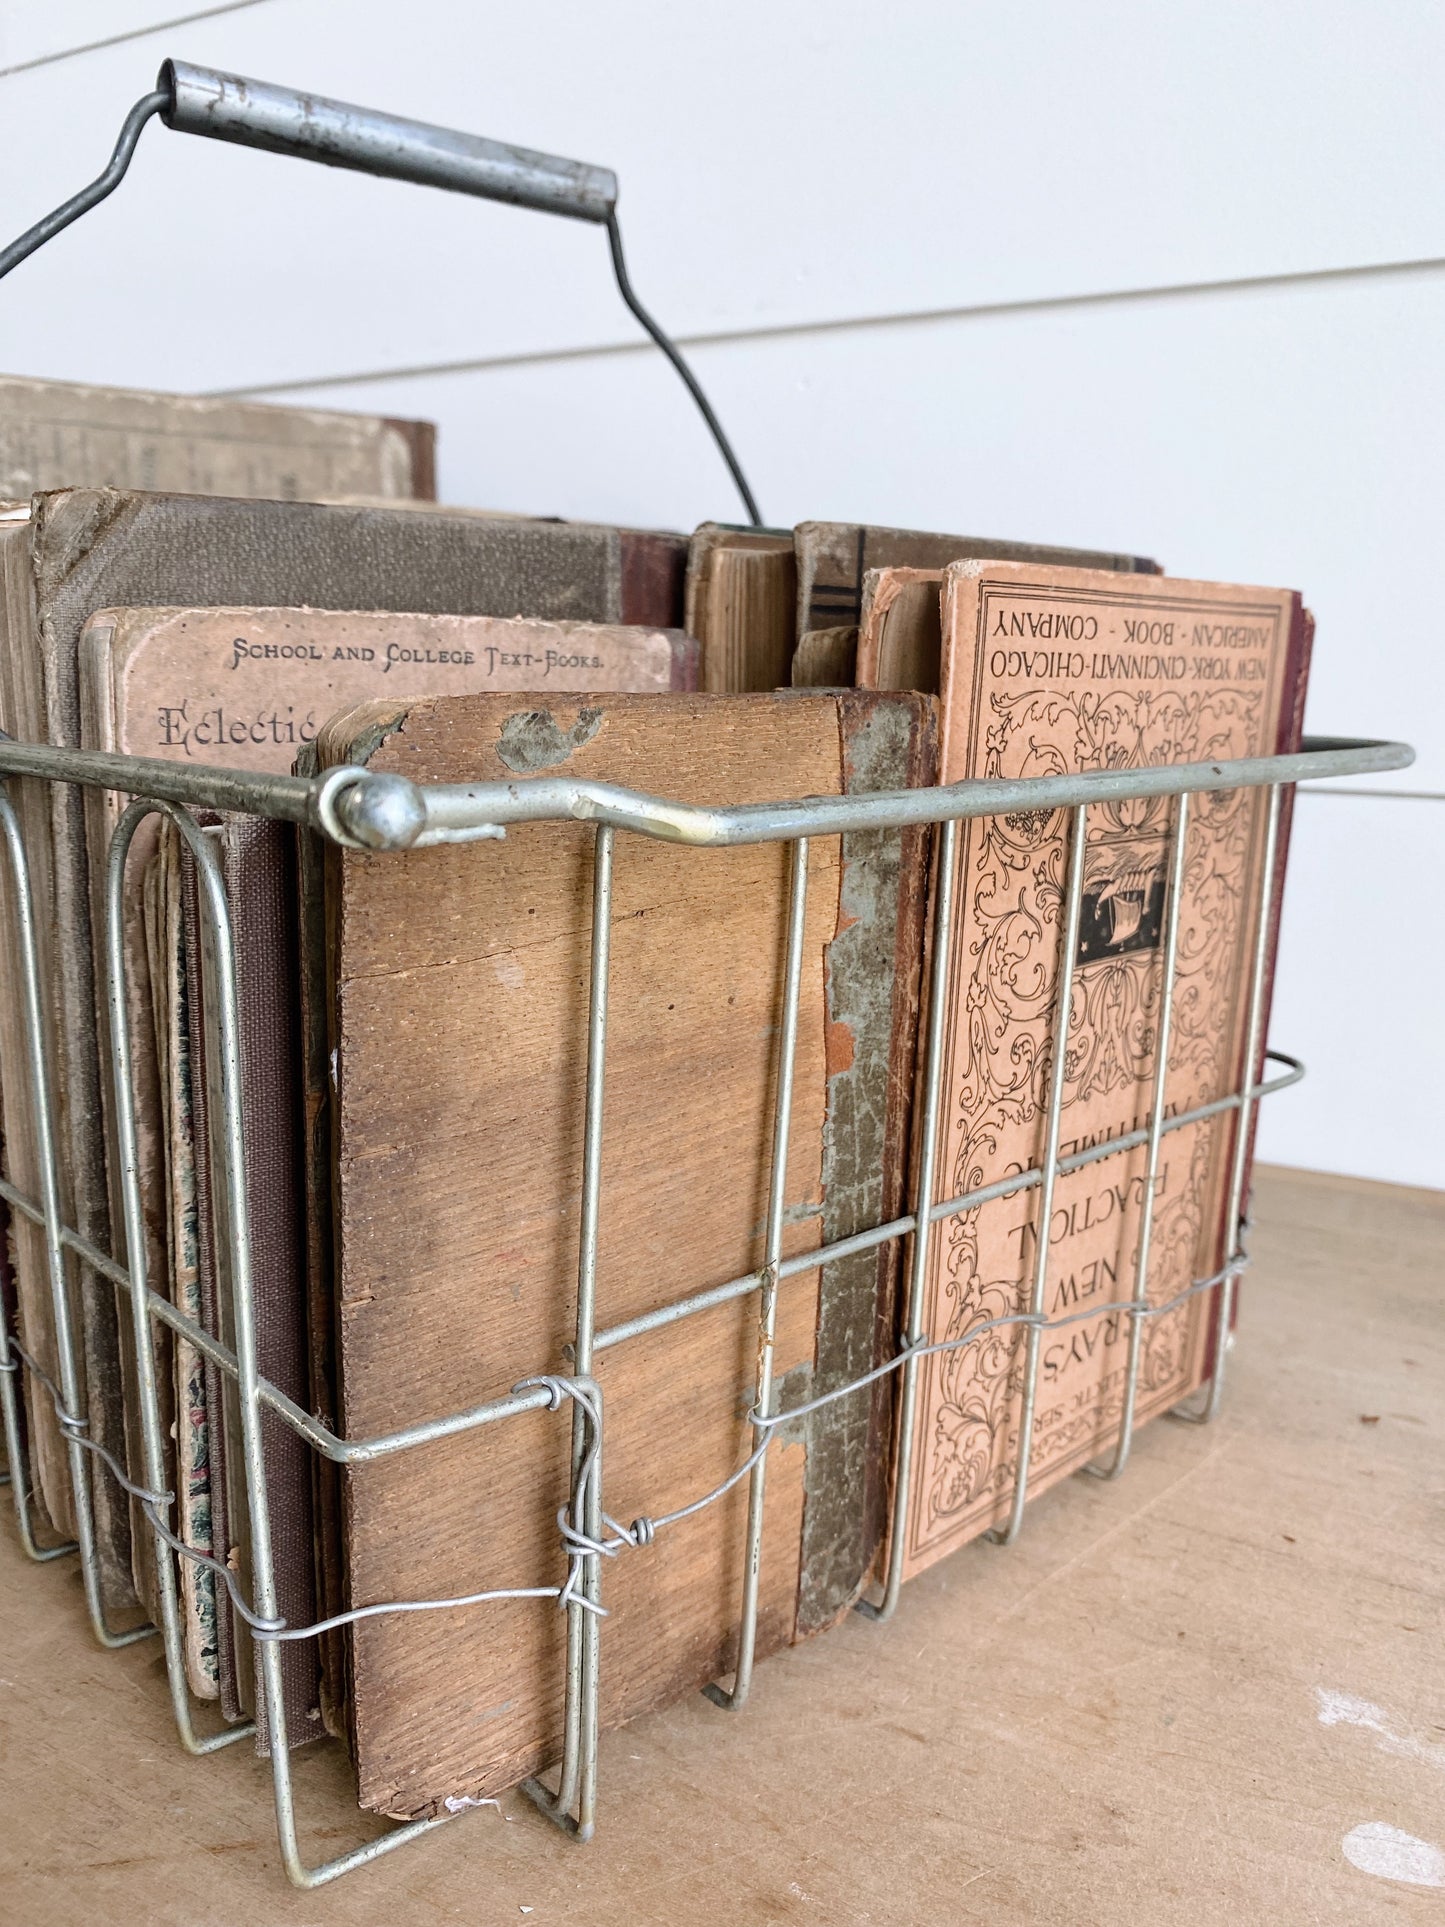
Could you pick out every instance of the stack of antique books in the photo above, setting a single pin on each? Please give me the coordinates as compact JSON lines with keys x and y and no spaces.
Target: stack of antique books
{"x":269,"y":590}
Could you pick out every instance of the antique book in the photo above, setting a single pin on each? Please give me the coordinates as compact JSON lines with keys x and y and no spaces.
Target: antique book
{"x":50,"y":1497}
{"x":85,"y":549}
{"x":456,"y":1145}
{"x":63,"y":434}
{"x":900,"y":633}
{"x":826,"y":659}
{"x":10,"y":1312}
{"x":195,"y":1517}
{"x":1048,"y":670}
{"x":653,"y":589}
{"x":246,"y":687}
{"x":741,"y":588}
{"x":652,"y":563}
{"x":834,"y":557}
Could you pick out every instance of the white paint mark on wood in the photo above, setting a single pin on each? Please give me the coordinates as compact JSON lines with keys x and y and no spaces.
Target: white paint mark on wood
{"x":1344,"y":1709}
{"x":510,"y":974}
{"x":1392,"y":1854}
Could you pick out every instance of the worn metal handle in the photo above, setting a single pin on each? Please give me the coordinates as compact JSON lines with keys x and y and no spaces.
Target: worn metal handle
{"x":281,"y":120}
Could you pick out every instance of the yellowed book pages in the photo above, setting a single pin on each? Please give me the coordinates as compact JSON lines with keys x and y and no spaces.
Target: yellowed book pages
{"x":192,"y":1481}
{"x":826,"y":659}
{"x":1045,"y":671}
{"x":741,"y":591}
{"x":900,"y":636}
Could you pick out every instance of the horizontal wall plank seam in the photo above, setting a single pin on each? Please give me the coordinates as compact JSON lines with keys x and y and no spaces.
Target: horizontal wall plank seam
{"x":134,"y":33}
{"x":1403,"y":796}
{"x":779,"y":331}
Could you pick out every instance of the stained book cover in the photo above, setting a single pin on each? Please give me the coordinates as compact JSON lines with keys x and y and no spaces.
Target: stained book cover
{"x":246,"y":687}
{"x":458,"y":1010}
{"x":1047,"y":671}
{"x":65,"y":434}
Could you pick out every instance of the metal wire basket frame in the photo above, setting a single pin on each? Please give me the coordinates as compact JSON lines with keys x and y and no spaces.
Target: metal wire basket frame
{"x":360,"y":810}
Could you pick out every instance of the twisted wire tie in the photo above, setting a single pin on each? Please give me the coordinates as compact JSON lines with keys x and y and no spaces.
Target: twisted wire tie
{"x":577,"y":1543}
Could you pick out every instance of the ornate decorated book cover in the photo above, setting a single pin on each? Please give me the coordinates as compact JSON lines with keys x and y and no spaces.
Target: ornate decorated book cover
{"x":1048,"y":671}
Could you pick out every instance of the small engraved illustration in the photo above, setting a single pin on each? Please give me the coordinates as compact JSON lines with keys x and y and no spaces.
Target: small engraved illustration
{"x":1123,"y":903}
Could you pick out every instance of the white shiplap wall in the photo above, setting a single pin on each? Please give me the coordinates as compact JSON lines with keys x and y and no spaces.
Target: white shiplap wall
{"x":1166,"y":279}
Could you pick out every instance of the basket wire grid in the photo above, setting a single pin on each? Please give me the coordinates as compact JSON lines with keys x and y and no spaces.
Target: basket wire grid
{"x":378,"y":813}
{"x":359,"y":810}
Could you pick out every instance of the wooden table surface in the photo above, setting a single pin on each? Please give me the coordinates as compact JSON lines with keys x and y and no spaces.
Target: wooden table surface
{"x":1213,"y":1692}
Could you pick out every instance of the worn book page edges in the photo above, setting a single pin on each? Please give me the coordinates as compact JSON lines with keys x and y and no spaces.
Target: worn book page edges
{"x":741,"y":589}
{"x":900,"y":639}
{"x":826,"y":659}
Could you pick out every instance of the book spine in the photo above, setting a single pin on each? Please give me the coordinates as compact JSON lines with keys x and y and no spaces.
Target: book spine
{"x":686,"y":664}
{"x":871,"y":1020}
{"x":421,"y":440}
{"x":259,"y":857}
{"x":1291,"y":733}
{"x":317,"y":1155}
{"x":230,"y":1637}
{"x":654,"y":576}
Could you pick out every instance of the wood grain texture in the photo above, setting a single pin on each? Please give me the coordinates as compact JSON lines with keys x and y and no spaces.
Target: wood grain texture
{"x":460,"y":1022}
{"x":1119,"y":1714}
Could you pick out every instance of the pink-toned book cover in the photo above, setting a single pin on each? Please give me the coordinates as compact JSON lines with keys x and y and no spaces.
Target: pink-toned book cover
{"x":1048,"y":671}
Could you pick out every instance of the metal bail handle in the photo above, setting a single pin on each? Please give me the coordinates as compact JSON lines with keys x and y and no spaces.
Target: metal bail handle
{"x":282,"y":120}
{"x":308,"y":127}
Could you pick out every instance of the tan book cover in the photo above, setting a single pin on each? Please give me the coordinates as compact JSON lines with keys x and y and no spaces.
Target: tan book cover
{"x":459,"y":1070}
{"x":1045,"y":671}
{"x":63,"y":434}
{"x":246,"y":688}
